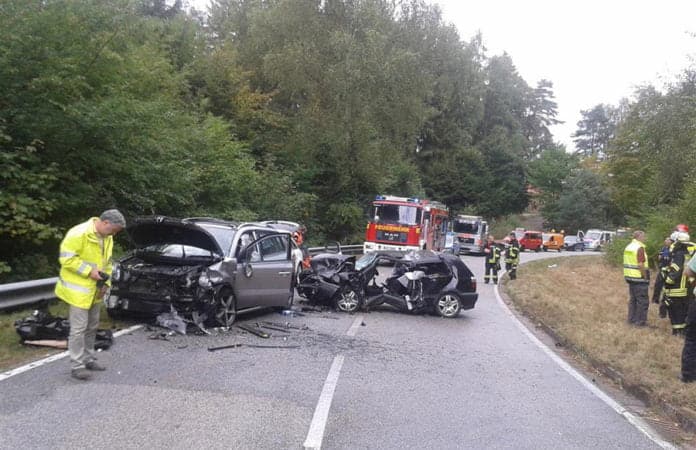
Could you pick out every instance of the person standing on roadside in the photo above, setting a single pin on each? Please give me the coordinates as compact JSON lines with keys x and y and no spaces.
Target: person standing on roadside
{"x":688,"y":357}
{"x":85,"y":271}
{"x":663,"y":260}
{"x":677,"y":292}
{"x":492,"y":252}
{"x":512,"y":256}
{"x":637,"y":275}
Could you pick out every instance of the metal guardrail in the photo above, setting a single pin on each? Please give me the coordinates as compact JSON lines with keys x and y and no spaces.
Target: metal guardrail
{"x":25,"y":293}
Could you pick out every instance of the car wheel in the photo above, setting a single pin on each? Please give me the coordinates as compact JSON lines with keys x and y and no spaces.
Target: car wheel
{"x":582,"y":248}
{"x":346,"y":300}
{"x":447,"y":305}
{"x":521,"y":248}
{"x":226,"y":310}
{"x":544,"y":248}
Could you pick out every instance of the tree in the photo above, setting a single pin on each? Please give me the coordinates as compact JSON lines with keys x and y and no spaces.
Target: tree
{"x":595,"y":130}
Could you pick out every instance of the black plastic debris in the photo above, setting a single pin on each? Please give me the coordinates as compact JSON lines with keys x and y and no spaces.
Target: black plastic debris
{"x":286,"y":325}
{"x":223,"y":347}
{"x":255,"y":331}
{"x":44,"y":329}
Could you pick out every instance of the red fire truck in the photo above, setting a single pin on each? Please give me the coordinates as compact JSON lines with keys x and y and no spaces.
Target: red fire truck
{"x":400,"y":224}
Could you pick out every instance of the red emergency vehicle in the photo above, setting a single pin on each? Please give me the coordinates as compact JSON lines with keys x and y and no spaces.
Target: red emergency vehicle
{"x":401,"y":224}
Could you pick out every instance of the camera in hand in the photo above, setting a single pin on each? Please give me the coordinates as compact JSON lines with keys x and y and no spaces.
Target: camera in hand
{"x":104,"y":278}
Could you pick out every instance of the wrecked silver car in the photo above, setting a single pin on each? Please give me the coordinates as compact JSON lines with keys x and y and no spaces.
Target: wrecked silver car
{"x":206,"y":269}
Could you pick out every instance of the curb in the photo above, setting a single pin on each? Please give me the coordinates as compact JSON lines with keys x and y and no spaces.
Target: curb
{"x":685,"y":417}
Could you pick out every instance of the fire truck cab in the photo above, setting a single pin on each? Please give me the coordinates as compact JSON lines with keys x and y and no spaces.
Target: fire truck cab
{"x":400,"y":224}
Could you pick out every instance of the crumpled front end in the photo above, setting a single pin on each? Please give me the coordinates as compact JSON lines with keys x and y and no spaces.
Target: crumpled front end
{"x":151,"y":288}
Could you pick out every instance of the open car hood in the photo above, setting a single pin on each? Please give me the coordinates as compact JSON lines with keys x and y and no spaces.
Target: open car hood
{"x":146,"y":231}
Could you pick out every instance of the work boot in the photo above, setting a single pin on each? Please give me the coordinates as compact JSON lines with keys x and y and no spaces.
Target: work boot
{"x":80,"y":374}
{"x":93,"y":365}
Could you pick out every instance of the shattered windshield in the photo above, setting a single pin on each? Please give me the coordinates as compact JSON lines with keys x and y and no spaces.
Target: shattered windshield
{"x":223,"y":235}
{"x":398,"y":214}
{"x":365,"y":261}
{"x":466,"y":227}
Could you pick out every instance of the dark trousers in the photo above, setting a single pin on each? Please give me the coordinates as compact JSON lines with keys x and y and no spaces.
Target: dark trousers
{"x":637,"y":303}
{"x":657,"y":288}
{"x":689,"y":352}
{"x":677,"y":308}
{"x":491,"y":272}
{"x":512,"y":269}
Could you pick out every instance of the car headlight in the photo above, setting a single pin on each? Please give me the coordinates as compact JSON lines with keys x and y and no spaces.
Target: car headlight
{"x":209,"y":278}
{"x":116,"y":272}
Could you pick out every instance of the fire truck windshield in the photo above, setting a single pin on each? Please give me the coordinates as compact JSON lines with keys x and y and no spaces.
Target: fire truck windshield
{"x":397,"y":214}
{"x":466,"y":227}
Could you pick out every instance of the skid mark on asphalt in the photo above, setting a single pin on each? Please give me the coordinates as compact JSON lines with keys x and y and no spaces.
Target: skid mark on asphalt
{"x":315,"y":435}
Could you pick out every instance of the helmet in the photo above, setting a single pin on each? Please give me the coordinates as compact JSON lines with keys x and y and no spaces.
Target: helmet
{"x":682,"y":227}
{"x":682,"y":236}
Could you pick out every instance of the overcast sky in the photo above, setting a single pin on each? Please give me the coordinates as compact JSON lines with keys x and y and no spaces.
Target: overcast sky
{"x":594,"y":51}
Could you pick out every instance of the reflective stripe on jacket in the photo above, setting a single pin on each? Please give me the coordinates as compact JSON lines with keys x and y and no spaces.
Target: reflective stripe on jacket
{"x":512,"y":255}
{"x":494,"y":256}
{"x":675,"y":279}
{"x":632,"y":270}
{"x":80,"y":252}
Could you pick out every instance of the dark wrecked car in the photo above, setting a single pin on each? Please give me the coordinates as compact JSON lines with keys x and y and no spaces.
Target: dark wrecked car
{"x":205,"y":268}
{"x":421,"y":281}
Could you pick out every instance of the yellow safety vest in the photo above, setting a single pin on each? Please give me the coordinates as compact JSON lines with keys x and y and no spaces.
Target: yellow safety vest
{"x":80,"y":252}
{"x":632,"y":270}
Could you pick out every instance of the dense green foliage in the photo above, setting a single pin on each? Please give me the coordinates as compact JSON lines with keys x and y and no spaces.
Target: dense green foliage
{"x":293,"y":109}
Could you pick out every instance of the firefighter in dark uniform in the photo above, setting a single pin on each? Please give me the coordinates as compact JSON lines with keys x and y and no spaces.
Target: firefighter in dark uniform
{"x":688,"y":362}
{"x":663,"y":260}
{"x":676,"y":289}
{"x":492,"y":252}
{"x":512,"y":256}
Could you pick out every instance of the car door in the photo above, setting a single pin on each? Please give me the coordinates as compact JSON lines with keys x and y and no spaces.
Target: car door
{"x":264,"y":273}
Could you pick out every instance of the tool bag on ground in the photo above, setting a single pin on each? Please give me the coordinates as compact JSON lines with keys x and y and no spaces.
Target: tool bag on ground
{"x":41,"y":325}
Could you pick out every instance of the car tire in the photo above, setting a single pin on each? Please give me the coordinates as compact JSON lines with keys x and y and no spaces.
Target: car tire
{"x":226,"y":309}
{"x":544,"y":248}
{"x":346,"y":300}
{"x":582,"y":248}
{"x":447,"y":305}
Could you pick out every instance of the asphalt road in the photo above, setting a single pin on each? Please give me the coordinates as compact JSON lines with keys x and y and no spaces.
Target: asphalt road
{"x":378,"y":380}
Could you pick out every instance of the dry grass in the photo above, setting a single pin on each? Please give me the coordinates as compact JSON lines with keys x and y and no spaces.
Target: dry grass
{"x":13,"y":353}
{"x":585,"y":302}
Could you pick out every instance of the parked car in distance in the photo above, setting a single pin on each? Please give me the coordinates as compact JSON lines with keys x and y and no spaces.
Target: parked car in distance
{"x":597,"y":239}
{"x":552,"y":241}
{"x":208,"y":269}
{"x":573,"y":244}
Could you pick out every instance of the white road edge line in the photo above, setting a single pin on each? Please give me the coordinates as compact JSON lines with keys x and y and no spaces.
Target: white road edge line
{"x":315,"y":435}
{"x":56,"y":357}
{"x":613,"y":404}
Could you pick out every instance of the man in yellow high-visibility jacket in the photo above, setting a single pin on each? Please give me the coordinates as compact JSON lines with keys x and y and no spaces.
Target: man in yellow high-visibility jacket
{"x":637,"y":275}
{"x":85,"y":271}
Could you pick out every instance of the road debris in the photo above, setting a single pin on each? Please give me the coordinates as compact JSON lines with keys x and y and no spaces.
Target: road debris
{"x":286,"y":325}
{"x":255,"y":331}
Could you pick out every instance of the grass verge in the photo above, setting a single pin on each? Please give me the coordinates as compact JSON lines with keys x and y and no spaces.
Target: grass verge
{"x":13,"y":353}
{"x":583,"y":301}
